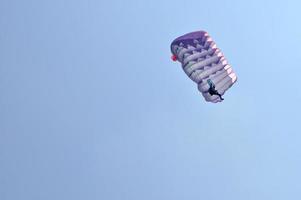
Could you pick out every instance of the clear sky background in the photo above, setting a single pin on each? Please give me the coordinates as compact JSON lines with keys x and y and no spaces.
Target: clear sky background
{"x":92,"y":107}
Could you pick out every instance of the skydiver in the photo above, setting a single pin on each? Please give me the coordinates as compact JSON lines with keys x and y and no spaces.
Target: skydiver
{"x":212,"y":90}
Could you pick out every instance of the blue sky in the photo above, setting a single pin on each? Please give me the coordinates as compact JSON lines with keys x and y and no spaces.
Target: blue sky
{"x":92,"y":107}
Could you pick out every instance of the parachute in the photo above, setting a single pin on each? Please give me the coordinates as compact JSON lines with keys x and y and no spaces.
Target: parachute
{"x":204,"y":63}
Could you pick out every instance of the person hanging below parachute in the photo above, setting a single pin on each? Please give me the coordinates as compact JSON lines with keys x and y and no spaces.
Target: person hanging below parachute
{"x":204,"y":63}
{"x":212,"y":90}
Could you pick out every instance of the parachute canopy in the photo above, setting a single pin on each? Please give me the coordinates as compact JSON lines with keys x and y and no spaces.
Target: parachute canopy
{"x":204,"y":63}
